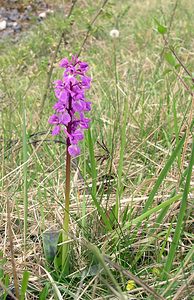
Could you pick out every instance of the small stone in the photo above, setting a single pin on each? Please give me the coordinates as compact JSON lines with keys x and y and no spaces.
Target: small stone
{"x":29,"y":8}
{"x":10,"y":24}
{"x":42,"y":15}
{"x":3,"y":25}
{"x":25,"y":16}
{"x":50,"y":11}
{"x":14,"y":15}
{"x":16,"y":27}
{"x":7,"y":32}
{"x":3,"y":12}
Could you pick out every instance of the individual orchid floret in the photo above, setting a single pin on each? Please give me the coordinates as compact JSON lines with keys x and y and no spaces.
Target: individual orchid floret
{"x":71,"y":103}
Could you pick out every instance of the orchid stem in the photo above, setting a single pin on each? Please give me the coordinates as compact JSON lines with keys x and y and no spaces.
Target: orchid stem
{"x":65,"y":247}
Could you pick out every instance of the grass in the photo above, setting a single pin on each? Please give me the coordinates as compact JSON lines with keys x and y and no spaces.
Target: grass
{"x":132,"y":186}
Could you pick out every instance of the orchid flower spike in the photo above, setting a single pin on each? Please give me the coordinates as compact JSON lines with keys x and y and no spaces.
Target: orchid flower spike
{"x":71,"y":104}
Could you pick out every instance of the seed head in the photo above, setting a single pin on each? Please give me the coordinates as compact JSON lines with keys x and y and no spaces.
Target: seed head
{"x":114,"y":33}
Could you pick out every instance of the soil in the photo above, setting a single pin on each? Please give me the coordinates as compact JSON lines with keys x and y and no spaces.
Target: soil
{"x":16,"y":16}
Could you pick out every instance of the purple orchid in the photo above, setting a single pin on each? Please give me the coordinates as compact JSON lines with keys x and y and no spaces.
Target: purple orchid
{"x":72,"y":103}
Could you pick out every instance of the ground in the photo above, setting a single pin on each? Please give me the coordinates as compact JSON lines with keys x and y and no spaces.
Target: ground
{"x":138,"y":152}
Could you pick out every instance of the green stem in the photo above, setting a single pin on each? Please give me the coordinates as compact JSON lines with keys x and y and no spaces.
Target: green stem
{"x":25,"y":170}
{"x":65,"y":247}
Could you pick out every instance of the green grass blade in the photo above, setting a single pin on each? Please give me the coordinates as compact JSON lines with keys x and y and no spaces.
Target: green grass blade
{"x":158,"y":222}
{"x":100,"y":258}
{"x":25,"y":183}
{"x":153,"y":210}
{"x":176,"y":128}
{"x":184,"y":263}
{"x":93,"y":163}
{"x":179,"y":225}
{"x":163,"y":174}
{"x":121,"y":159}
{"x":55,"y":287}
{"x":44,"y":293}
{"x":24,"y":286}
{"x":94,"y":183}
